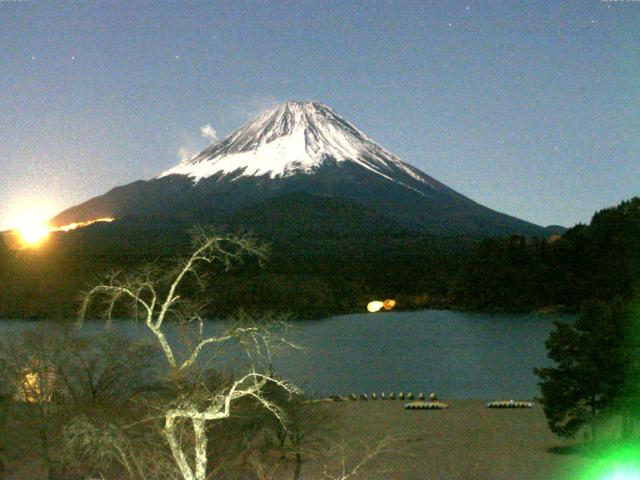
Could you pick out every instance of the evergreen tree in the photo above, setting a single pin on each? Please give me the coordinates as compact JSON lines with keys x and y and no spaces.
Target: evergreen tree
{"x":597,"y":367}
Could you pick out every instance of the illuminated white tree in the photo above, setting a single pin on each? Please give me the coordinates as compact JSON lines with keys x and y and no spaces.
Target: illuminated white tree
{"x":155,"y":299}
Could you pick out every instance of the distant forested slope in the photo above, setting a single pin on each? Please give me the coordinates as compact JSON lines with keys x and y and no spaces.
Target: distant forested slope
{"x":596,"y":261}
{"x":316,"y":272}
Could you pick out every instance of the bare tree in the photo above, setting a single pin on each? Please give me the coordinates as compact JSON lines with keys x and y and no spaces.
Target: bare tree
{"x":305,"y":433}
{"x":340,"y":461}
{"x":30,"y":380}
{"x":340,"y":468}
{"x":109,"y":450}
{"x":52,"y":373}
{"x":156,"y":298}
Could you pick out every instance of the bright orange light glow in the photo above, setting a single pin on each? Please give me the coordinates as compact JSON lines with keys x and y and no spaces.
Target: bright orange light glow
{"x":36,"y":386}
{"x":374,"y":306}
{"x":32,"y":233}
{"x":389,"y":304}
{"x":73,"y":226}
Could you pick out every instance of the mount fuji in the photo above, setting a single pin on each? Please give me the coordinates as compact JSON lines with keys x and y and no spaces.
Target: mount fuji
{"x":300,"y":162}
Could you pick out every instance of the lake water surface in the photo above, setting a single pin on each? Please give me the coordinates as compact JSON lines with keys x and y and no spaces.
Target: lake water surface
{"x":456,"y":354}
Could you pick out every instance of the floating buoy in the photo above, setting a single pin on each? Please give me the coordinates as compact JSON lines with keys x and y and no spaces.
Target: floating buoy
{"x":419,"y":405}
{"x":509,"y":404}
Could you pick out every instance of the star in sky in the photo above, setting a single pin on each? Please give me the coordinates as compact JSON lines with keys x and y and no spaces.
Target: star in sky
{"x":565,"y":39}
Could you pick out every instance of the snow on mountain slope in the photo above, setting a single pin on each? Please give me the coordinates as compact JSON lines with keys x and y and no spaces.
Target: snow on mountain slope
{"x":296,"y":137}
{"x":298,"y":147}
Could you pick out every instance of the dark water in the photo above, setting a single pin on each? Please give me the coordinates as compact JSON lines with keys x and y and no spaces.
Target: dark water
{"x":457,"y":355}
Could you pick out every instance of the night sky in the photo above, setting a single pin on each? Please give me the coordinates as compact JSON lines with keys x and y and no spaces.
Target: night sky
{"x":530,"y":108}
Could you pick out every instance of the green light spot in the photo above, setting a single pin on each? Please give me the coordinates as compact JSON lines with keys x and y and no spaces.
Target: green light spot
{"x":624,"y":473}
{"x":621,"y":463}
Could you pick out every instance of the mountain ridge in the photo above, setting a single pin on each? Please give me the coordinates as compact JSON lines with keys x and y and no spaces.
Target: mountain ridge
{"x":307,"y":147}
{"x":296,"y":137}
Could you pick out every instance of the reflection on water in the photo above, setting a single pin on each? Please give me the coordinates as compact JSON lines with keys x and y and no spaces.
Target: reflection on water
{"x":456,"y":354}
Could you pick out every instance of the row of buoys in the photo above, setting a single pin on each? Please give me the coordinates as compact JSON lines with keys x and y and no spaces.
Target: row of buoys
{"x":509,"y":404}
{"x":377,"y":305}
{"x":421,"y":405}
{"x":390,"y":396}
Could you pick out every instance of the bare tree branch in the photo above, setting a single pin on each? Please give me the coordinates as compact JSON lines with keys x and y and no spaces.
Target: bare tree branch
{"x":346,"y":472}
{"x":258,"y":338}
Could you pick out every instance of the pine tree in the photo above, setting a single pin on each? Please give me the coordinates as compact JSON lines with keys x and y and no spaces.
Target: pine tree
{"x":596,"y":367}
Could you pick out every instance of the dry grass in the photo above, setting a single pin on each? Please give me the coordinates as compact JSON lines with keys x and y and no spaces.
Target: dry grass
{"x":466,"y":441}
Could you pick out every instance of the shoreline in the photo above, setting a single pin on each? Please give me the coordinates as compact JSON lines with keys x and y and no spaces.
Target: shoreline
{"x":550,"y":310}
{"x":465,"y":441}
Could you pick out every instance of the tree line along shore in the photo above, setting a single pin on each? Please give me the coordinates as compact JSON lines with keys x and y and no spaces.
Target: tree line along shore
{"x":311,"y":276}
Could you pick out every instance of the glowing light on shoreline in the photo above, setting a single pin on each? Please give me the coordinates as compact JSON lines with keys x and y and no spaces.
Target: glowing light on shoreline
{"x":374,"y":306}
{"x":377,"y":305}
{"x":389,"y":304}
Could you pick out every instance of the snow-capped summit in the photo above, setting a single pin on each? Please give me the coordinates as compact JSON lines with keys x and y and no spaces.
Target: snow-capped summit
{"x":295,"y":137}
{"x":298,"y":160}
